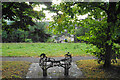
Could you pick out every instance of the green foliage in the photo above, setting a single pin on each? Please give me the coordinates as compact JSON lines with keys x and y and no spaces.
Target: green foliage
{"x":28,"y":40}
{"x":102,"y":21}
{"x":21,"y":13}
{"x":14,"y":36}
{"x":0,"y":31}
{"x":23,"y":19}
{"x":37,"y":33}
{"x":50,"y":40}
{"x":81,"y":32}
{"x":4,"y":35}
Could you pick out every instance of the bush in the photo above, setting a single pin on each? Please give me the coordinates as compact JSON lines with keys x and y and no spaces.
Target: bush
{"x":28,"y":40}
{"x":4,"y":35}
{"x":14,"y":35}
{"x":50,"y":40}
{"x":37,"y":33}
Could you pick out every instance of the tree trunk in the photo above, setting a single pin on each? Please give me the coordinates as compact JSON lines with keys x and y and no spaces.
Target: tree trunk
{"x":108,"y":54}
{"x":75,"y":39}
{"x":110,"y":20}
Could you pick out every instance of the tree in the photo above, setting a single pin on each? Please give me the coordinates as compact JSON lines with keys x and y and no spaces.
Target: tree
{"x":38,"y":32}
{"x":103,"y":20}
{"x":22,"y":16}
{"x":81,"y":32}
{"x":21,"y":13}
{"x":17,"y":35}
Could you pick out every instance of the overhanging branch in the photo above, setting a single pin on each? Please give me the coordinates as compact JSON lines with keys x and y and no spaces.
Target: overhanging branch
{"x":103,"y":9}
{"x":118,"y":10}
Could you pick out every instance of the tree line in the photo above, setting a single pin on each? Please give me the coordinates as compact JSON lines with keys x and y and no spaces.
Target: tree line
{"x":23,"y":26}
{"x":36,"y":33}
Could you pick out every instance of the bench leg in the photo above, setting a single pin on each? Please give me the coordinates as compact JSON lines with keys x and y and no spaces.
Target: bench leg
{"x":44,"y":72}
{"x":66,"y":73}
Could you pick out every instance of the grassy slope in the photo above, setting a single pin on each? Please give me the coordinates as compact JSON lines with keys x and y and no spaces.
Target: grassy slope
{"x":51,"y":49}
{"x":92,"y":69}
{"x":14,"y":69}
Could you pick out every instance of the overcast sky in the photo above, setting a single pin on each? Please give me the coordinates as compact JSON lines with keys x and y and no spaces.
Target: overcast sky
{"x":49,"y":15}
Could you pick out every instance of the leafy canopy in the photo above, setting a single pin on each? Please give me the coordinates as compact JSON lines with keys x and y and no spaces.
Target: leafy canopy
{"x":102,"y":21}
{"x":22,"y":14}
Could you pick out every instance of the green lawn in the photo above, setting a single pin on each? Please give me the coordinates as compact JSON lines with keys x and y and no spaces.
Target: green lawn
{"x":51,"y":49}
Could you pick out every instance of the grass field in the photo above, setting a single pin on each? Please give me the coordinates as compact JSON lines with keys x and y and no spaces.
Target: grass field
{"x":51,"y":49}
{"x":91,"y":69}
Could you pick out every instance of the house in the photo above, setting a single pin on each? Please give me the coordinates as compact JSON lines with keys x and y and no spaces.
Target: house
{"x":63,"y":38}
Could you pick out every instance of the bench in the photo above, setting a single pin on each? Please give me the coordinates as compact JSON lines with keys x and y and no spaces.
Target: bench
{"x":46,"y":63}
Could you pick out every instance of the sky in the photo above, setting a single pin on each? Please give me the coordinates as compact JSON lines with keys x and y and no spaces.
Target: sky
{"x":48,"y":14}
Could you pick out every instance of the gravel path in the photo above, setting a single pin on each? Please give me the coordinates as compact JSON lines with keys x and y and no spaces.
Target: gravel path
{"x":35,"y":71}
{"x":36,"y":60}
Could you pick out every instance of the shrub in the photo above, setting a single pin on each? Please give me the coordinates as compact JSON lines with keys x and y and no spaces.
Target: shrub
{"x":50,"y":40}
{"x":28,"y":40}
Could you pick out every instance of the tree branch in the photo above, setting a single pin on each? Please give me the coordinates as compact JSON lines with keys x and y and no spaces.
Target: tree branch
{"x":103,"y":9}
{"x":118,"y":10}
